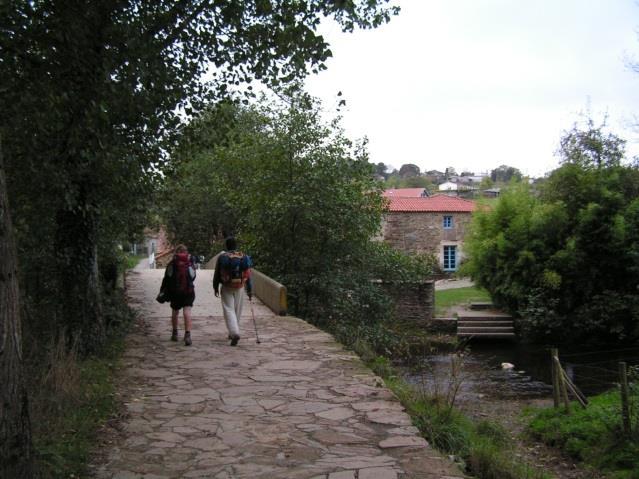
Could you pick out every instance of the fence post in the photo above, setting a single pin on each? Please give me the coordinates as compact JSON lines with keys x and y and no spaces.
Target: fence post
{"x":554,"y":353}
{"x":562,"y":383}
{"x":625,"y":406}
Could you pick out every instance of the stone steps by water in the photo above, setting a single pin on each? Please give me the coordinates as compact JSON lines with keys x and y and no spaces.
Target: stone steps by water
{"x":485,"y":326}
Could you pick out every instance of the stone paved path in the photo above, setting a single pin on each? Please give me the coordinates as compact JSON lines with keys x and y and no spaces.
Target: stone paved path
{"x":295,"y":406}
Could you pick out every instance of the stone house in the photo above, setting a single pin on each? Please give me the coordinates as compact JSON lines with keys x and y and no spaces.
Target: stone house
{"x":434,"y":225}
{"x":154,"y":241}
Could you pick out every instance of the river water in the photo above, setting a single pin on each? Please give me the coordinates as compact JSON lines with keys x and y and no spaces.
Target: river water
{"x":481,"y":373}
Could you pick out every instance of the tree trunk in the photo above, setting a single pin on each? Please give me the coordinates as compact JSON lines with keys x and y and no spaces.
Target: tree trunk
{"x":16,"y":450}
{"x":77,"y":253}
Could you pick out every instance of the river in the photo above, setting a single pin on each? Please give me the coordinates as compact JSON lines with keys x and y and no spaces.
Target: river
{"x":481,"y":372}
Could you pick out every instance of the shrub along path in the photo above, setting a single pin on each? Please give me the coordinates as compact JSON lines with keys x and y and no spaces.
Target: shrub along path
{"x":298,"y":405}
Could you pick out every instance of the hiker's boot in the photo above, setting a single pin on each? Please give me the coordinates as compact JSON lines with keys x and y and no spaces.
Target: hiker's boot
{"x":187,"y":338}
{"x":234,"y":340}
{"x":174,"y":336}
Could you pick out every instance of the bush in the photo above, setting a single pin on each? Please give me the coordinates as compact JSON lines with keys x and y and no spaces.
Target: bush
{"x":592,"y":435}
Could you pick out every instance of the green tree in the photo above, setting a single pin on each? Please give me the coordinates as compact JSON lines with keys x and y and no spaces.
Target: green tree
{"x":92,"y":95}
{"x":591,"y":147}
{"x":408,"y":171}
{"x":417,"y":182}
{"x":306,"y":190}
{"x":505,"y":173}
{"x":194,"y":207}
{"x":16,"y":450}
{"x":486,"y":183}
{"x":566,"y":260}
{"x":381,"y":170}
{"x":306,"y":205}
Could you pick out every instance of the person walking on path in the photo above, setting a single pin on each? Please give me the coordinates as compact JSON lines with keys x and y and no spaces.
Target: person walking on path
{"x":233,"y":272}
{"x":178,"y":282}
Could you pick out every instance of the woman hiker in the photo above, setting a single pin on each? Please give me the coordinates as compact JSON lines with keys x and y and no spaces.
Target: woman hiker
{"x":178,"y":281}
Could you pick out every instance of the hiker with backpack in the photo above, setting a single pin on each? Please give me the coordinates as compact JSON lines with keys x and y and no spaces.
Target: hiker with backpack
{"x":233,"y":273}
{"x":178,"y":286}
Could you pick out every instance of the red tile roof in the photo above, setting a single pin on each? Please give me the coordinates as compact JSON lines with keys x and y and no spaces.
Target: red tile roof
{"x":436,"y":203}
{"x":404,"y":193}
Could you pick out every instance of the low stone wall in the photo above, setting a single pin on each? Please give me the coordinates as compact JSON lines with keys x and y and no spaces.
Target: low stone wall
{"x":443,"y":325}
{"x":270,"y":292}
{"x":413,"y":301}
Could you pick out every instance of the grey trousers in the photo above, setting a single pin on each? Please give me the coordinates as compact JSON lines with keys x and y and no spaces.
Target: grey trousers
{"x":232,"y":299}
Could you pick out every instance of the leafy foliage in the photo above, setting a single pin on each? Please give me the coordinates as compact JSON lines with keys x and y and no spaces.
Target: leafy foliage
{"x":93,"y":94}
{"x":505,"y":173}
{"x":592,"y":435}
{"x":567,"y":260}
{"x":304,"y":201}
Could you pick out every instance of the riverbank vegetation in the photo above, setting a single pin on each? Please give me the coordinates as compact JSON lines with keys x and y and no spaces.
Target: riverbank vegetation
{"x":594,"y":435}
{"x":481,"y":448}
{"x":564,"y":255}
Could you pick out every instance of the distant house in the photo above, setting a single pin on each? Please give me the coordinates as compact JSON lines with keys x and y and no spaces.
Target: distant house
{"x":469,"y":180}
{"x":448,"y":186}
{"x":155,"y":241}
{"x":434,"y":225}
{"x":492,"y":192}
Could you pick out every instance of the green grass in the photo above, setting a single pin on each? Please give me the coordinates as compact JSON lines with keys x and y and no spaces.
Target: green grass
{"x":592,"y":435}
{"x":448,"y":298}
{"x":63,"y":450}
{"x":133,"y":260}
{"x":72,"y":400}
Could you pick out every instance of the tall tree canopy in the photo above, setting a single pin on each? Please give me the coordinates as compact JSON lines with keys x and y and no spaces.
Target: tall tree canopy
{"x":505,"y":173}
{"x":92,"y":93}
{"x":303,"y":199}
{"x":567,"y":259}
{"x":409,"y":170}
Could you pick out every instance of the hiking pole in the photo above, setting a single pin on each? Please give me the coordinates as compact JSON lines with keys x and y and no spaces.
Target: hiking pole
{"x":257,"y":336}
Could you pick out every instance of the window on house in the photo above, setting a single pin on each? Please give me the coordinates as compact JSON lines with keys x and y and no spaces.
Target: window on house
{"x":448,"y":222}
{"x":450,"y":258}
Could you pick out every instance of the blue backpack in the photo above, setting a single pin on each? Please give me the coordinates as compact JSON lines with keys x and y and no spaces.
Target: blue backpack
{"x":235,"y":269}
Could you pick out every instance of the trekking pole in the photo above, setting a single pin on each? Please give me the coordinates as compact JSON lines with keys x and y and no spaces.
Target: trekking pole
{"x":257,"y":336}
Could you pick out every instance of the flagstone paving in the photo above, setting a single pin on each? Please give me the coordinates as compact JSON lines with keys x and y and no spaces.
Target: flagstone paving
{"x":298,"y":405}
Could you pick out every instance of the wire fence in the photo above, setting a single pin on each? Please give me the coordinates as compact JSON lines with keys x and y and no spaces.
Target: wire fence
{"x":608,"y":374}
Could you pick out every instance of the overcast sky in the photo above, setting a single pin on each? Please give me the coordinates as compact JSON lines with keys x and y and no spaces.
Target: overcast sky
{"x":474,"y":84}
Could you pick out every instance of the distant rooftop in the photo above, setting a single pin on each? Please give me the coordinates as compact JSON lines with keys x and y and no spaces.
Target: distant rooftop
{"x":432,"y":204}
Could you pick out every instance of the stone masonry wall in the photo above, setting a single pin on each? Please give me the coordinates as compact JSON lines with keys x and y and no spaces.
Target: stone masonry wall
{"x":420,"y":232}
{"x":413,"y":301}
